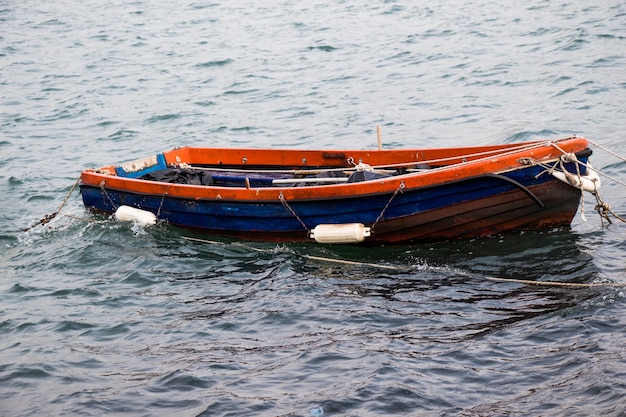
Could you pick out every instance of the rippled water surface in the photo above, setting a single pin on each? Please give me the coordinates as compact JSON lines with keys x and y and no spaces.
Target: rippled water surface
{"x":101,"y":318}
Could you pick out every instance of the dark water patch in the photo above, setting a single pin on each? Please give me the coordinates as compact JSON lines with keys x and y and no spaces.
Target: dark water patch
{"x":19,"y":289}
{"x":242,"y":129}
{"x":323,"y":48}
{"x":202,"y":6}
{"x":100,"y":37}
{"x":238,"y":92}
{"x":562,"y":78}
{"x":164,"y":117}
{"x":51,"y":89}
{"x":573,"y":41}
{"x":107,"y":123}
{"x":39,"y":197}
{"x":608,"y":62}
{"x":218,"y":63}
{"x":87,"y":364}
{"x":609,"y":36}
{"x":136,"y":279}
{"x":121,"y":134}
{"x":53,"y":22}
{"x":224,"y":405}
{"x":105,"y":333}
{"x":206,"y":103}
{"x":70,"y":112}
{"x":597,"y":90}
{"x":75,"y":292}
{"x":72,"y":326}
{"x":181,"y":381}
{"x":177,"y":405}
{"x":21,"y":376}
{"x":7,"y":239}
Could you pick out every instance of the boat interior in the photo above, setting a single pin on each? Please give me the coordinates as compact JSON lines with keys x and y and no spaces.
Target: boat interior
{"x":252,"y":168}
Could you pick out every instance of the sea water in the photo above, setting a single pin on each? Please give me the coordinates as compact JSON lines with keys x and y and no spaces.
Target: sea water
{"x":106,"y":318}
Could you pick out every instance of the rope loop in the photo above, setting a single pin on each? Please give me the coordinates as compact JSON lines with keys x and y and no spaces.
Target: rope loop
{"x":569,"y":157}
{"x":604,"y":209}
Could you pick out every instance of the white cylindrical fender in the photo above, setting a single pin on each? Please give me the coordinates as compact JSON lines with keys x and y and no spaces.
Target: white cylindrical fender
{"x":132,"y":214}
{"x":340,"y":233}
{"x":589,"y":182}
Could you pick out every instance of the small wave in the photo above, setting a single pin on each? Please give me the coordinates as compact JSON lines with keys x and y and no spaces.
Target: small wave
{"x":210,"y":64}
{"x":530,"y":135}
{"x":205,"y":103}
{"x":163,"y":117}
{"x":19,"y":289}
{"x":181,"y":381}
{"x":324,"y":48}
{"x":23,"y":374}
{"x":239,"y":92}
{"x":72,"y":326}
{"x":106,"y":123}
{"x":122,"y":133}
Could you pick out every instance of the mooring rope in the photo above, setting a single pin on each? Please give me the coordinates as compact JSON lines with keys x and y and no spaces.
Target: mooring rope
{"x":163,"y":199}
{"x":382,"y":213}
{"x":603,"y":208}
{"x":607,"y":150}
{"x":282,"y":199}
{"x":353,"y":263}
{"x":104,"y":193}
{"x":48,"y":217}
{"x":214,"y":242}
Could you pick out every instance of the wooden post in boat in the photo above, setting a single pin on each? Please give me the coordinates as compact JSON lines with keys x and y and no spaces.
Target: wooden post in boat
{"x":380,"y":141}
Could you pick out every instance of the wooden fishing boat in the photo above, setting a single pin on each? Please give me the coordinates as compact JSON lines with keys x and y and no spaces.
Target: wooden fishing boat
{"x":350,"y":196}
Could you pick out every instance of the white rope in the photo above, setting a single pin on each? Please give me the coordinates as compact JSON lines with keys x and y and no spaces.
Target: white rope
{"x":344,"y":262}
{"x":611,"y":178}
{"x":606,"y":150}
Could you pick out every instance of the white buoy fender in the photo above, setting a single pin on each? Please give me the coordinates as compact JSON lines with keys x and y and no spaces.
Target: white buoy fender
{"x":340,"y":233}
{"x":589,"y":182}
{"x":132,"y":214}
